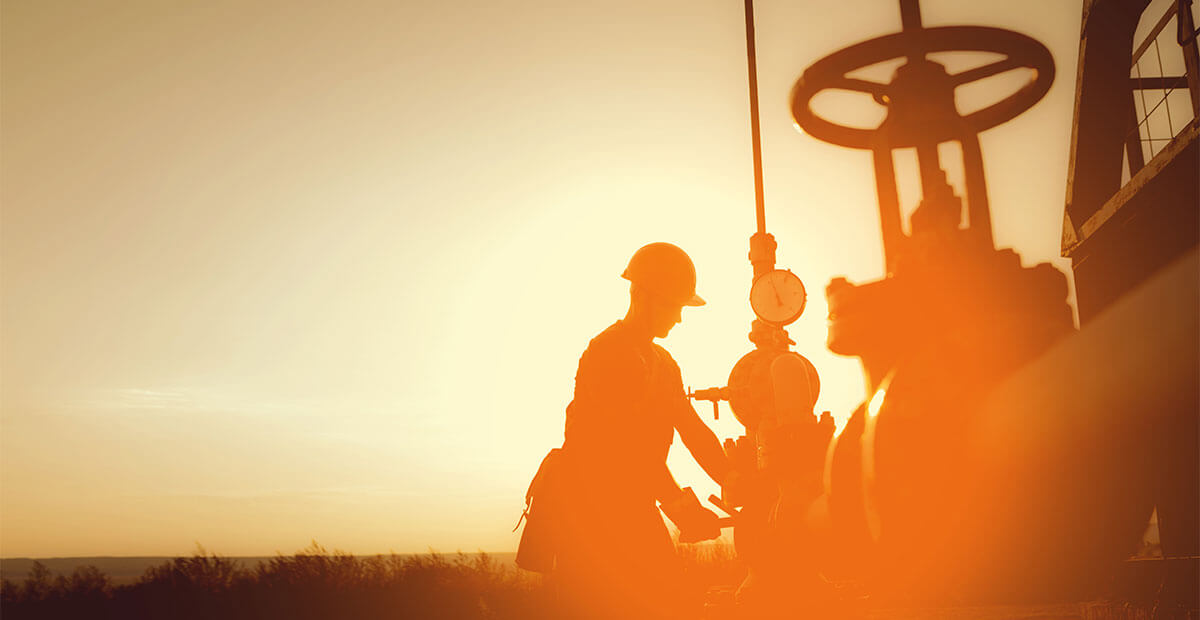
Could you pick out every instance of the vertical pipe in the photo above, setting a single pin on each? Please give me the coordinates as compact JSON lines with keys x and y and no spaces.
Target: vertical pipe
{"x":762,"y":244}
{"x":755,"y":139}
{"x":979,"y":214}
{"x":889,"y":204}
{"x":910,"y":14}
{"x":910,"y":19}
{"x":932,"y":176}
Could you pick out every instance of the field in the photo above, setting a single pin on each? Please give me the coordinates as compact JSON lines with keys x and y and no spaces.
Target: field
{"x":313,"y":583}
{"x":127,"y":570}
{"x":316,"y":583}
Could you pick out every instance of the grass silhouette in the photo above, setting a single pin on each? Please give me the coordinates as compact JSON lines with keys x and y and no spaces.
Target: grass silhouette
{"x":316,"y":583}
{"x":313,"y":583}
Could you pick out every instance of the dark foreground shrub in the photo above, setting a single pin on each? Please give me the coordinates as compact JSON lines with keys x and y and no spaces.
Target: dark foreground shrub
{"x":311,"y":584}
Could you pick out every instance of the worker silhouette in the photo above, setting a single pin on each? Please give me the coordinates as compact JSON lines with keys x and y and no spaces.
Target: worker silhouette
{"x":615,"y":558}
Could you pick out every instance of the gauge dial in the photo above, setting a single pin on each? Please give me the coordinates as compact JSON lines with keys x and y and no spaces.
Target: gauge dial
{"x":778,"y":297}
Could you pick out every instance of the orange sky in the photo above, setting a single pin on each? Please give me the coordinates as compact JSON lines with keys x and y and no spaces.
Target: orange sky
{"x":276,"y":271}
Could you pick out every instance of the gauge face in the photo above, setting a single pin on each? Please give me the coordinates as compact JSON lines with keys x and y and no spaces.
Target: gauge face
{"x":778,"y":297}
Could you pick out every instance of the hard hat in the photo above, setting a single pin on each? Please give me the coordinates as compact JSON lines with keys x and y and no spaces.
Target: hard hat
{"x":665,"y":270}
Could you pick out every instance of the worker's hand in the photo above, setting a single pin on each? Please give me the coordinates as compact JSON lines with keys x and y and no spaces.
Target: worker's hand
{"x":695,"y":522}
{"x":705,"y":527}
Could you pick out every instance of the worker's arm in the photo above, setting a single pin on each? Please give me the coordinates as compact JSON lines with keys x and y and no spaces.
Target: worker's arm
{"x":699,"y":439}
{"x":702,"y":443}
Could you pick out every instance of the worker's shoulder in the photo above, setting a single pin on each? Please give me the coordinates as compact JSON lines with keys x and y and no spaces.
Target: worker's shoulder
{"x":611,"y":346}
{"x":612,"y":335}
{"x":616,"y":339}
{"x":607,"y":341}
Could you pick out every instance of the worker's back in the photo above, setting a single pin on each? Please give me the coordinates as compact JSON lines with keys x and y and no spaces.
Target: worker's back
{"x":616,"y":555}
{"x":618,"y":427}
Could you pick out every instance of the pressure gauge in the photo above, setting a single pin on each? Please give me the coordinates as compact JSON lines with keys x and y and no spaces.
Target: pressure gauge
{"x":778,"y":297}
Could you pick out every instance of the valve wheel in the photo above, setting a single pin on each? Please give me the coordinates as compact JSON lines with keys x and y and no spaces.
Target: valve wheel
{"x":831,"y":72}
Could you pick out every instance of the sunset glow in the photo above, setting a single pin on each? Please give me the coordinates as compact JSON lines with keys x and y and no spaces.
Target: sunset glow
{"x":274,"y":273}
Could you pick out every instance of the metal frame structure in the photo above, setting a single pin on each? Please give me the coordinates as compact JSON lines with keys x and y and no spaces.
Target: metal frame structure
{"x":1133,"y":213}
{"x":1116,"y":232}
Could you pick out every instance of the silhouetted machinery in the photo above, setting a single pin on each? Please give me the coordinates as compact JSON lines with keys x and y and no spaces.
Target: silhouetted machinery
{"x":1000,"y":455}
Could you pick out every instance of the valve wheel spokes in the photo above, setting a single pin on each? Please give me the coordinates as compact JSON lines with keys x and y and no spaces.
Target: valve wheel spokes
{"x":831,"y":72}
{"x":986,"y":71}
{"x":858,"y":85}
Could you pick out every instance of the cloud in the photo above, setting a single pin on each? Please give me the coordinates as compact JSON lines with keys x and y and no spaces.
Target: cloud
{"x":183,"y":400}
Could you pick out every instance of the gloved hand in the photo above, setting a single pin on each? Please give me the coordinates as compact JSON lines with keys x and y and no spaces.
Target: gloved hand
{"x":695,"y":522}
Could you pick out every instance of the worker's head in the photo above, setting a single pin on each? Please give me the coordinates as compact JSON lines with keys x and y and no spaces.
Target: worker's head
{"x":663,"y":282}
